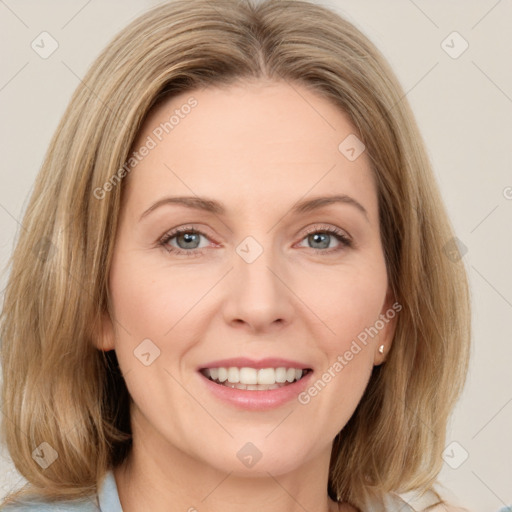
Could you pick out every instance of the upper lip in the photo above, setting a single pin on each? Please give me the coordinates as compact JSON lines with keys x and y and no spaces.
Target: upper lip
{"x":268,"y":362}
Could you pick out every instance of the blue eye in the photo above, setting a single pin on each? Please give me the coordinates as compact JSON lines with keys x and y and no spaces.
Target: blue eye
{"x":322,"y":238}
{"x":187,"y":241}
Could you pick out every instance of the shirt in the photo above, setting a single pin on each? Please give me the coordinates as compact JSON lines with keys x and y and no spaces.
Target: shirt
{"x":107,"y":500}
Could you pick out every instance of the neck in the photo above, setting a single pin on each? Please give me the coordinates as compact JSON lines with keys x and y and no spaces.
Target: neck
{"x":153,"y":478}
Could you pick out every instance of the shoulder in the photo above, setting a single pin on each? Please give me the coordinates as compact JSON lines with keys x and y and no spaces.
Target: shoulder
{"x":34,"y":505}
{"x":106,"y":495}
{"x":430,"y":501}
{"x":446,"y":508}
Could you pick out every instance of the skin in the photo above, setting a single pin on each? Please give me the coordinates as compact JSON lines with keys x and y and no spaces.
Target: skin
{"x":257,"y":148}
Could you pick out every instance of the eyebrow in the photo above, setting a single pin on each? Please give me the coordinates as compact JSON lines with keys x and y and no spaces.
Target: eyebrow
{"x":212,"y":206}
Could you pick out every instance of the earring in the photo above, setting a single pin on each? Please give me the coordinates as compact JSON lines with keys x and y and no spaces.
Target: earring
{"x":381,"y":349}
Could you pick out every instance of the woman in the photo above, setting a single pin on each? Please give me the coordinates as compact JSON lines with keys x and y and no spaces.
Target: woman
{"x":233,"y":290}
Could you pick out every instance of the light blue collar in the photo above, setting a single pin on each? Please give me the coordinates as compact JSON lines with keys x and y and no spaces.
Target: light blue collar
{"x":108,"y":496}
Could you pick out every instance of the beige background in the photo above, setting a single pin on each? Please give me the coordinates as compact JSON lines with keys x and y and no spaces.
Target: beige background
{"x":464,"y":108}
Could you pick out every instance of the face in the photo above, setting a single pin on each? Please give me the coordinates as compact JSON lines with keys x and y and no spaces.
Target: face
{"x":261,"y":275}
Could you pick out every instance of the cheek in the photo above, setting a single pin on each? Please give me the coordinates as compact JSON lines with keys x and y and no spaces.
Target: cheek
{"x":160,"y":303}
{"x":150,"y":300}
{"x":349,"y":306}
{"x":349,"y":301}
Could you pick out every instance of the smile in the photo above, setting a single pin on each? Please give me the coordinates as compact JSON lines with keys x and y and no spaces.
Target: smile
{"x":255,"y":385}
{"x":254,"y":379}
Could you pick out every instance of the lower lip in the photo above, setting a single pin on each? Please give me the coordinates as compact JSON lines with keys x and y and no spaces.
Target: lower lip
{"x":257,"y":400}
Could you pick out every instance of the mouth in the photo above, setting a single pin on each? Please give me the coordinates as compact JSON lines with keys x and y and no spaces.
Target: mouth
{"x":254,"y":379}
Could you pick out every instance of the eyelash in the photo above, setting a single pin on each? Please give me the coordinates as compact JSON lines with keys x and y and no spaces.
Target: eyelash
{"x":345,"y":241}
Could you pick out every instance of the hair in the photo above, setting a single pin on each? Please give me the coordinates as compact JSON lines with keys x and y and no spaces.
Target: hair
{"x":58,"y":388}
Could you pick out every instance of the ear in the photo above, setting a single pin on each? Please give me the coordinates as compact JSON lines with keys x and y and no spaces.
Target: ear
{"x":105,"y":338}
{"x":387,"y":326}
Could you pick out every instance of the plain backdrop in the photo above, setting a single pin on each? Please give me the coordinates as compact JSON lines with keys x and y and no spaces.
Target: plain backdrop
{"x":462,"y":99}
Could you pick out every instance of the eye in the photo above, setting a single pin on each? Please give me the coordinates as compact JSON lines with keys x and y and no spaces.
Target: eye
{"x":187,"y":240}
{"x":320,"y":238}
{"x":184,"y":240}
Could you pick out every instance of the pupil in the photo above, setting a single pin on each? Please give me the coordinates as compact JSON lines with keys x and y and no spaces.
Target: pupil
{"x":316,"y":238}
{"x":189,"y":238}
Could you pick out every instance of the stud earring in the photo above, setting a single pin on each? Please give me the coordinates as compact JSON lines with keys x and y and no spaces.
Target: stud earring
{"x":381,"y":349}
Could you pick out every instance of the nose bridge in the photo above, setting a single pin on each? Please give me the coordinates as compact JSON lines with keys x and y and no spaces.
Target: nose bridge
{"x":256,"y":294}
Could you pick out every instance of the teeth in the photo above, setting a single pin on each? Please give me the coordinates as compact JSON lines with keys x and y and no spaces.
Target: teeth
{"x":281,"y":375}
{"x":233,"y":374}
{"x":253,"y":387}
{"x":252,"y":378}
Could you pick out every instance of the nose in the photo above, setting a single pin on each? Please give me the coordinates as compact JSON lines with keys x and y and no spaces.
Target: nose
{"x":258,"y":297}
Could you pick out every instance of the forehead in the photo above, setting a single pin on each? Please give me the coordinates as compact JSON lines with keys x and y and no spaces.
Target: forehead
{"x":250,"y":142}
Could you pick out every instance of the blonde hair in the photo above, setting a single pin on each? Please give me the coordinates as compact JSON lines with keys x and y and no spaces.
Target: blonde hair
{"x":59,"y":389}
